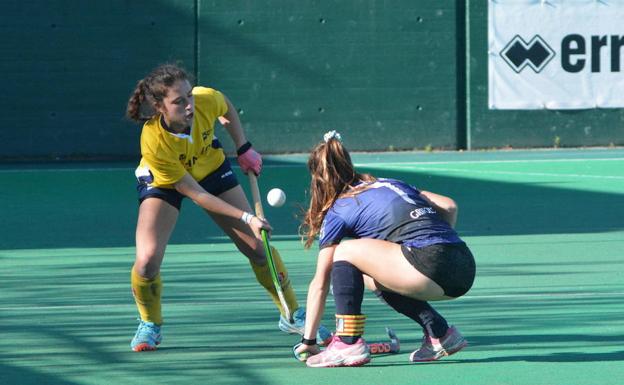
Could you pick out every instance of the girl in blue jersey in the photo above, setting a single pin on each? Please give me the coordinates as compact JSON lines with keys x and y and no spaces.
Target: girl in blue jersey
{"x":402,"y":245}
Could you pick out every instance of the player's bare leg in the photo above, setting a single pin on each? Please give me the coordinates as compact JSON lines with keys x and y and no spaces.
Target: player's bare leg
{"x":156,"y":221}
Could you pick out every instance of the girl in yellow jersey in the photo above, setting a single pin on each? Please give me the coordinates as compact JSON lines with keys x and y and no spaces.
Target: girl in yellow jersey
{"x":181,"y":157}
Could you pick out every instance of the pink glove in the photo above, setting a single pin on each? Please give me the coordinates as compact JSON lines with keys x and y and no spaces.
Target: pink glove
{"x":249,"y":159}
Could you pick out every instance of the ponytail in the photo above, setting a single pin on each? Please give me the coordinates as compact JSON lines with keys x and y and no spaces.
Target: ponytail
{"x":332,"y":176}
{"x":133,"y":111}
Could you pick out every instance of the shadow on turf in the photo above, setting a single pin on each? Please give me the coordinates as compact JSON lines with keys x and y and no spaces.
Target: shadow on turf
{"x":104,"y":207}
{"x":530,"y":343}
{"x":10,"y":375}
{"x":553,"y":357}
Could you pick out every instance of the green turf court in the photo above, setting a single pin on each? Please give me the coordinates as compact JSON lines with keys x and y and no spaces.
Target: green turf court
{"x":547,"y":307}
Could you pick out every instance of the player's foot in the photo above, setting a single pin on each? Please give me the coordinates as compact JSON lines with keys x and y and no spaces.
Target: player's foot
{"x":435,"y":348}
{"x":339,"y":353}
{"x":147,"y":337}
{"x":323,"y":335}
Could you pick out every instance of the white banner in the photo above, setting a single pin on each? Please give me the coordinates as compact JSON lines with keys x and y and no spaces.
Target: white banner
{"x":556,"y":54}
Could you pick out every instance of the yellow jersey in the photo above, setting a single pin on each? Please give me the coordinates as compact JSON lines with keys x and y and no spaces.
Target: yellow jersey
{"x":168,"y":156}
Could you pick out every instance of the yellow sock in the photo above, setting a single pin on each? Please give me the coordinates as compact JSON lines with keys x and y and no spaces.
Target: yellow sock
{"x":348,"y":325}
{"x":146,"y":294}
{"x":263,"y":275}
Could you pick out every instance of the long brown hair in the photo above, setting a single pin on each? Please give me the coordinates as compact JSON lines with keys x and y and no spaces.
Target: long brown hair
{"x":332,"y":176}
{"x":151,"y":90}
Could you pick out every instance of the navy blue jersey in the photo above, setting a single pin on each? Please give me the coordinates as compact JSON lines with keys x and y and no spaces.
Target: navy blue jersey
{"x":390,"y":210}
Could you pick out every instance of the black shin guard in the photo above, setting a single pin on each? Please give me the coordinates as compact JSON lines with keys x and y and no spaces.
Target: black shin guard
{"x":420,"y":311}
{"x":348,"y":289}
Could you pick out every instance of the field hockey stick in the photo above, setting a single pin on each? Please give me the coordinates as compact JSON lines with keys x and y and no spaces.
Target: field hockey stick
{"x":255,"y":193}
{"x":393,"y":347}
{"x":382,"y":347}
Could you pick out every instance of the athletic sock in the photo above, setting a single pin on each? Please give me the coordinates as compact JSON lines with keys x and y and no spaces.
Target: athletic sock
{"x":146,"y":294}
{"x":348,"y":289}
{"x":263,"y":275}
{"x":420,"y":311}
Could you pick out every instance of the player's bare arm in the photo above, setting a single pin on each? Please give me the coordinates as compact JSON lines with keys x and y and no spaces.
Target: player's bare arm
{"x":317,"y":295}
{"x":190,"y":188}
{"x":444,"y":205}
{"x":231,"y":121}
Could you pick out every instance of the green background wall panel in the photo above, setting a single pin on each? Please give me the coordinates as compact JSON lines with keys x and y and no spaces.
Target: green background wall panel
{"x":365,"y":70}
{"x":72,"y":67}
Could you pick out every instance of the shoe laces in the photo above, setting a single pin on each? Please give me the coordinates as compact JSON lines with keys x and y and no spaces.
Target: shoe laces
{"x":299,"y":317}
{"x":426,"y":346}
{"x":147,"y":329}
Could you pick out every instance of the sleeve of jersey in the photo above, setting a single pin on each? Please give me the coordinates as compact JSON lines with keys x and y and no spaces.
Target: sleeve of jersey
{"x":211,"y":100}
{"x":166,"y":169}
{"x":333,"y":230}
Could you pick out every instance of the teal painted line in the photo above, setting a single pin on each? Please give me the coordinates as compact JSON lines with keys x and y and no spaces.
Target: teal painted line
{"x":540,"y":174}
{"x":385,"y":165}
{"x":451,"y":156}
{"x":515,"y":161}
{"x":370,"y":159}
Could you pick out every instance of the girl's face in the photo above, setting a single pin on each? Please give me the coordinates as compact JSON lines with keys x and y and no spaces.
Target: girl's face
{"x":178,"y":106}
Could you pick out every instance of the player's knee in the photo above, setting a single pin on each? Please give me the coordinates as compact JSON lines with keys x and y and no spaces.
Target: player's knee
{"x":254,"y":254}
{"x":147,"y":270}
{"x":147,"y":264}
{"x":258,"y":259}
{"x":451,"y":207}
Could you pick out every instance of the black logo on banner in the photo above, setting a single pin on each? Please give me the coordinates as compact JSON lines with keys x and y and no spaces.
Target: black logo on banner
{"x":520,"y":54}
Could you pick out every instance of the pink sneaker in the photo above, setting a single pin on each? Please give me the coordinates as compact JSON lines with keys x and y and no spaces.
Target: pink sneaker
{"x":338,"y":353}
{"x":433,"y":349}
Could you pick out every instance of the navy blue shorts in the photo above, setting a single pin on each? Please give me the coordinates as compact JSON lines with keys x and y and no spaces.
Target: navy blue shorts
{"x":216,"y":183}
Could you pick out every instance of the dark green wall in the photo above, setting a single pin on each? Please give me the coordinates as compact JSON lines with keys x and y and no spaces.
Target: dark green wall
{"x":69,"y":67}
{"x":387,"y":74}
{"x":381,"y":72}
